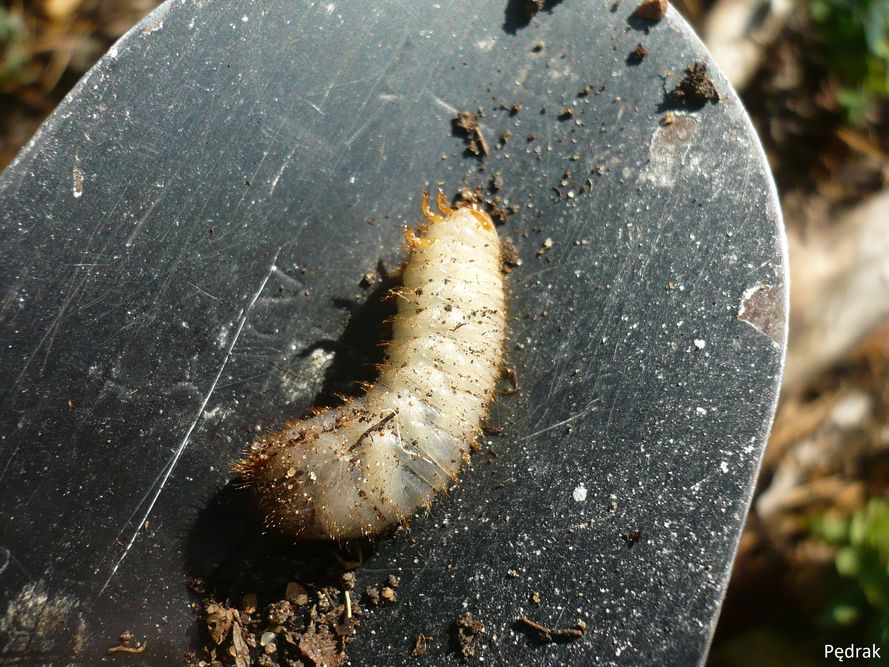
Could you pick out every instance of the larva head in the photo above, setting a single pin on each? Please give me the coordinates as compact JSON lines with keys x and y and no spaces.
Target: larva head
{"x":467,"y":222}
{"x":481,"y":218}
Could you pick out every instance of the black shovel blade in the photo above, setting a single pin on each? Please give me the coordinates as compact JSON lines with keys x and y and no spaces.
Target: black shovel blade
{"x":178,"y":244}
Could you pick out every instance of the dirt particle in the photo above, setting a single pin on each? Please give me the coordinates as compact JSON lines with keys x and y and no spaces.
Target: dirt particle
{"x":492,"y":430}
{"x":279,"y":612}
{"x":315,"y":636}
{"x":468,"y":628}
{"x":637,"y":55}
{"x":490,"y":203}
{"x":545,"y":247}
{"x":534,"y":6}
{"x":535,"y":598}
{"x":512,"y":376}
{"x":347,"y":580}
{"x":196,"y":584}
{"x":668,"y":119}
{"x":651,"y":10}
{"x":696,"y":88}
{"x":567,"y":113}
{"x":320,"y":646}
{"x":249,"y":603}
{"x":378,"y":596}
{"x":633,"y":537}
{"x":466,"y":123}
{"x":509,"y":257}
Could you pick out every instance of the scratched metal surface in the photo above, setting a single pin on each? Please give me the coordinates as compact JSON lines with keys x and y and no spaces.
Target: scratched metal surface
{"x":178,"y":234}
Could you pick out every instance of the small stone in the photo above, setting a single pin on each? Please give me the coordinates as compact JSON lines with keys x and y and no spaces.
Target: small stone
{"x":250,"y":603}
{"x":348,"y":581}
{"x":279,"y":612}
{"x":296,"y":594}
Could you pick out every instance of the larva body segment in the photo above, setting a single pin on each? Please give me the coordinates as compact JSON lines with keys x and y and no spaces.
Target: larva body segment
{"x":371,"y":463}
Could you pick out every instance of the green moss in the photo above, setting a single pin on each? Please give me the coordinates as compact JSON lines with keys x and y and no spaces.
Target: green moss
{"x":862,"y":559}
{"x":14,"y":56}
{"x":856,"y":38}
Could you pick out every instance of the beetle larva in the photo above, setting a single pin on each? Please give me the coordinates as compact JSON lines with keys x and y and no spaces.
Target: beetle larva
{"x":371,"y":463}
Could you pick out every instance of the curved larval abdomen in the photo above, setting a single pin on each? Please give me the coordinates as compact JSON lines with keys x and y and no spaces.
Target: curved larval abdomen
{"x":371,"y":463}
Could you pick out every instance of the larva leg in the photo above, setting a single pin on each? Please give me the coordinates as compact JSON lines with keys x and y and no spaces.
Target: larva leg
{"x":414,"y":241}
{"x":431,"y":216}
{"x":443,"y":205}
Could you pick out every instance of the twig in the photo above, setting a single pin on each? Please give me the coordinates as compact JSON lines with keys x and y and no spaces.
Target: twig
{"x":548,"y":634}
{"x":385,"y":420}
{"x":121,"y":648}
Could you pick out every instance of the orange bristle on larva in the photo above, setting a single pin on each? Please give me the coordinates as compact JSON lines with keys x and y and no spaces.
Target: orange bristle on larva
{"x":372,"y":463}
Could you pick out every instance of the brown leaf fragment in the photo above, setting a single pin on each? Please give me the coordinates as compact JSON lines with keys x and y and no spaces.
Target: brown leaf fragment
{"x":421,"y":645}
{"x":239,"y":649}
{"x":321,"y":647}
{"x":219,"y":622}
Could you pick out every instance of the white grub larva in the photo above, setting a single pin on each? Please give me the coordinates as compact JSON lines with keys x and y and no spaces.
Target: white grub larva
{"x":355,"y":470}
